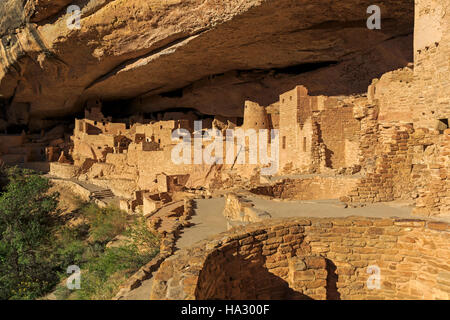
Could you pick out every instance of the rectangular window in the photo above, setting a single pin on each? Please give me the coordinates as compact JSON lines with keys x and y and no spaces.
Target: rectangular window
{"x":304,"y":144}
{"x":284,"y":142}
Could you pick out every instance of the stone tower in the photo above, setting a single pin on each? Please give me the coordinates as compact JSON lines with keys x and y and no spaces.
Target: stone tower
{"x":255,"y":116}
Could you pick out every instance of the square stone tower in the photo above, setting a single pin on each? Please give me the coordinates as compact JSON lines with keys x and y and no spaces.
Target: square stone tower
{"x":432,"y":62}
{"x":295,"y":105}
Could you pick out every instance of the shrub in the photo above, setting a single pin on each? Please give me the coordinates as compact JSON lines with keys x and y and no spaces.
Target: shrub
{"x":105,"y":223}
{"x":26,"y":237}
{"x":35,"y":249}
{"x":71,"y":247}
{"x":141,"y":237}
{"x":103,"y":275}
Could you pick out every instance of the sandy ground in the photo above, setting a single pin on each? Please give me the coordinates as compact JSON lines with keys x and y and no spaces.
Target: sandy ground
{"x":334,"y":208}
{"x":208,"y":220}
{"x":140,"y":293}
{"x":327,"y":208}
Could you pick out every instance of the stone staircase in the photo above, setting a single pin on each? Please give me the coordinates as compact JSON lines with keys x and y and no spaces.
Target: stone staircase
{"x":102,"y":194}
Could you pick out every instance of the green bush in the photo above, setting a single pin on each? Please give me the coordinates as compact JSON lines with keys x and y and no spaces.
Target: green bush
{"x":70,"y":248}
{"x":105,"y":223}
{"x":26,"y":236}
{"x":36,"y":248}
{"x":102,"y":276}
{"x":140,"y":236}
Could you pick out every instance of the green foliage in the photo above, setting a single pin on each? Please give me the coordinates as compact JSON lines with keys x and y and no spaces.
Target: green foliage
{"x":70,"y":248}
{"x":103,"y":275}
{"x":26,"y":237}
{"x":105,"y":223}
{"x":105,"y":269}
{"x":140,"y":236}
{"x":36,"y":248}
{"x":4,"y":180}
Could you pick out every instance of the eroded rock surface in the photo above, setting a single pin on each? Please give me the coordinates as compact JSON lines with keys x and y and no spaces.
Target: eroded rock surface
{"x":209,"y":55}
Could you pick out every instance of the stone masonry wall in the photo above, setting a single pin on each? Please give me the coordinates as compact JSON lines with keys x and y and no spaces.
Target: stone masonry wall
{"x":313,"y":258}
{"x":411,"y":164}
{"x":431,"y":62}
{"x":407,"y":152}
{"x":290,"y":140}
{"x":310,"y":188}
{"x":317,"y":131}
{"x":339,"y":129}
{"x":240,"y":211}
{"x":421,"y":95}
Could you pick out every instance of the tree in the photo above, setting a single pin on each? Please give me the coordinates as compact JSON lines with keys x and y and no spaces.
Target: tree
{"x":26,"y":236}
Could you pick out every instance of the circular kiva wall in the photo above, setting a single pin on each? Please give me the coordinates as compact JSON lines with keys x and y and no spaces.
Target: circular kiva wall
{"x":314,"y":259}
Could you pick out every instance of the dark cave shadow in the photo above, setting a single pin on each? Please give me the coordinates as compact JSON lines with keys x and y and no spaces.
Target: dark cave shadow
{"x":328,"y":158}
{"x":240,"y":279}
{"x":332,"y":279}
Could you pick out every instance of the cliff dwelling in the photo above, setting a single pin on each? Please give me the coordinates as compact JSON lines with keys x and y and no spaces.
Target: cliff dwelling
{"x":279,"y":151}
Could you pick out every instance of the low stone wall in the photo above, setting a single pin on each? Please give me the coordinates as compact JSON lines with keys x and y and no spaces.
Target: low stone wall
{"x":412,"y":164}
{"x":313,"y":259}
{"x":309,"y":188}
{"x":239,"y":211}
{"x":78,"y":190}
{"x":41,"y":166}
{"x":63,"y":170}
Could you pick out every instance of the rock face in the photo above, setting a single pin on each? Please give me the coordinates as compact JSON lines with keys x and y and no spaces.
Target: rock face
{"x":209,"y":55}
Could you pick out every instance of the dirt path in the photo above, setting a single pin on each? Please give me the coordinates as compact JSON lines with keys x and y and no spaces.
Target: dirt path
{"x":335,"y":209}
{"x":208,"y":220}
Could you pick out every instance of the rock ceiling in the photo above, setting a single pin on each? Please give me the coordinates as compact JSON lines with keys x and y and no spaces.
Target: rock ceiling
{"x":209,"y":55}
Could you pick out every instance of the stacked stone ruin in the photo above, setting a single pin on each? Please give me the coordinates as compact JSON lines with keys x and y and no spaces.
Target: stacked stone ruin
{"x":313,"y":259}
{"x":390,"y":143}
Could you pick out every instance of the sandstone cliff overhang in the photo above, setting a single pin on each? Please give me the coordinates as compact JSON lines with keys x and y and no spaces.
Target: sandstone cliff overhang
{"x":204,"y":54}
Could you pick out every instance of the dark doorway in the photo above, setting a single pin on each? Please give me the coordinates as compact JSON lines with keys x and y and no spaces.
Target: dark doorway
{"x":442,"y":125}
